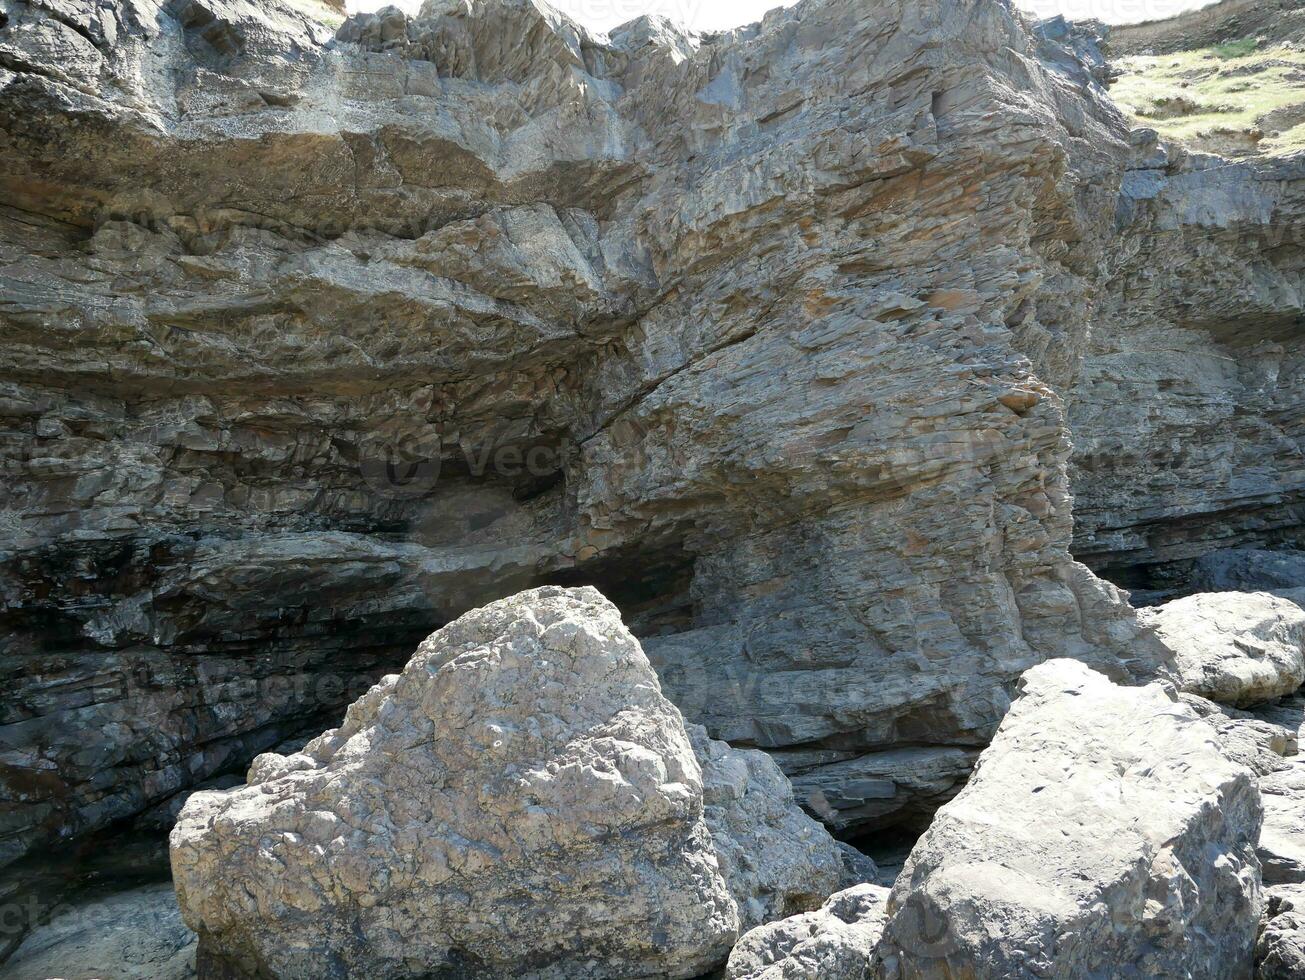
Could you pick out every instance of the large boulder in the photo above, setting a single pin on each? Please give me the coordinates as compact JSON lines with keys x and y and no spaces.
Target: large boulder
{"x":834,"y":942}
{"x":1102,"y":827}
{"x":1232,"y":647}
{"x":520,"y":801}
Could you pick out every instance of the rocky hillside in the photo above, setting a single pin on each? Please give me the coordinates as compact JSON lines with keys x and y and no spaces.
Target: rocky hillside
{"x":1222,"y":23}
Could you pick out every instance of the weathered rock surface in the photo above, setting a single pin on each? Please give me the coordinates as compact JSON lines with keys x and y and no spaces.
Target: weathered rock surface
{"x":314,"y":342}
{"x":895,"y":786}
{"x":774,"y":858}
{"x":1198,"y":333}
{"x":835,"y":942}
{"x":858,"y":868}
{"x":1211,"y":24}
{"x":520,"y":801}
{"x":1261,"y":745}
{"x":137,"y":934}
{"x":1234,"y":648}
{"x":1280,"y":950}
{"x":1102,"y":827}
{"x":1282,"y":842}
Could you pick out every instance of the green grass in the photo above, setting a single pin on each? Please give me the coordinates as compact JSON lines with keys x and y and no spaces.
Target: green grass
{"x":1236,"y":49}
{"x":1249,"y":102}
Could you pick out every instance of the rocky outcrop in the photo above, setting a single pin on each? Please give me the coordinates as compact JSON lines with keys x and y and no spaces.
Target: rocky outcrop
{"x":1280,"y":951}
{"x":837,"y":940}
{"x":1102,"y":827}
{"x":1282,"y":842}
{"x":1210,"y":24}
{"x":1198,"y":334}
{"x":520,"y":801}
{"x":1234,"y":648}
{"x":315,"y":341}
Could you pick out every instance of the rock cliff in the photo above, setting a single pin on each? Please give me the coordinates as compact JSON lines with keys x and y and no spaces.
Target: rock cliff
{"x":316,"y":340}
{"x":1198,"y":335}
{"x":1187,"y":412}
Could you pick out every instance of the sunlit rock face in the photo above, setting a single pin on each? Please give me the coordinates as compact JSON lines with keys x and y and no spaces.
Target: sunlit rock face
{"x":314,"y":341}
{"x":521,"y":801}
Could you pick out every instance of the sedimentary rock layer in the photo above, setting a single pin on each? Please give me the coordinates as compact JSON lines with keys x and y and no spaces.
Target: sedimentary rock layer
{"x":314,"y":342}
{"x":1189,"y":412}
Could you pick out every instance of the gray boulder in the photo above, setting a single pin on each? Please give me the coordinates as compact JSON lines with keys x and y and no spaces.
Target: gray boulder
{"x":836,"y":941}
{"x":520,"y":801}
{"x":1233,"y":647}
{"x":1260,"y":744}
{"x":858,"y":868}
{"x":1280,"y":951}
{"x":775,"y":859}
{"x":1102,"y":827}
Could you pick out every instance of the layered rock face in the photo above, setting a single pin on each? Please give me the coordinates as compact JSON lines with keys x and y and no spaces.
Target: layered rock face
{"x":521,"y":801}
{"x":136,"y":934}
{"x":1249,"y":570}
{"x":1103,"y":830}
{"x":1199,"y":334}
{"x":316,"y":342}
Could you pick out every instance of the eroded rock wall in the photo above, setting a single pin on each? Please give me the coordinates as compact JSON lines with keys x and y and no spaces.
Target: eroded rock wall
{"x":315,"y":342}
{"x":1189,"y":414}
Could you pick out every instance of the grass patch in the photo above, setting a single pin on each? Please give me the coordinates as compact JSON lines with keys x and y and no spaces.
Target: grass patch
{"x":1236,"y":49}
{"x":1244,"y":104}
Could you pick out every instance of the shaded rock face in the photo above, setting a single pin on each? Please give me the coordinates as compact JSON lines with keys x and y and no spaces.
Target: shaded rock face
{"x":1237,"y":648}
{"x":315,"y":343}
{"x":136,"y":934}
{"x":520,"y":801}
{"x":1282,"y":842}
{"x":1249,"y":570}
{"x":1102,"y":826}
{"x":1198,"y":333}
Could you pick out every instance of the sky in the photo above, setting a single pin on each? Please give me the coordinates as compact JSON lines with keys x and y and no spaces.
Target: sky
{"x":716,"y":15}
